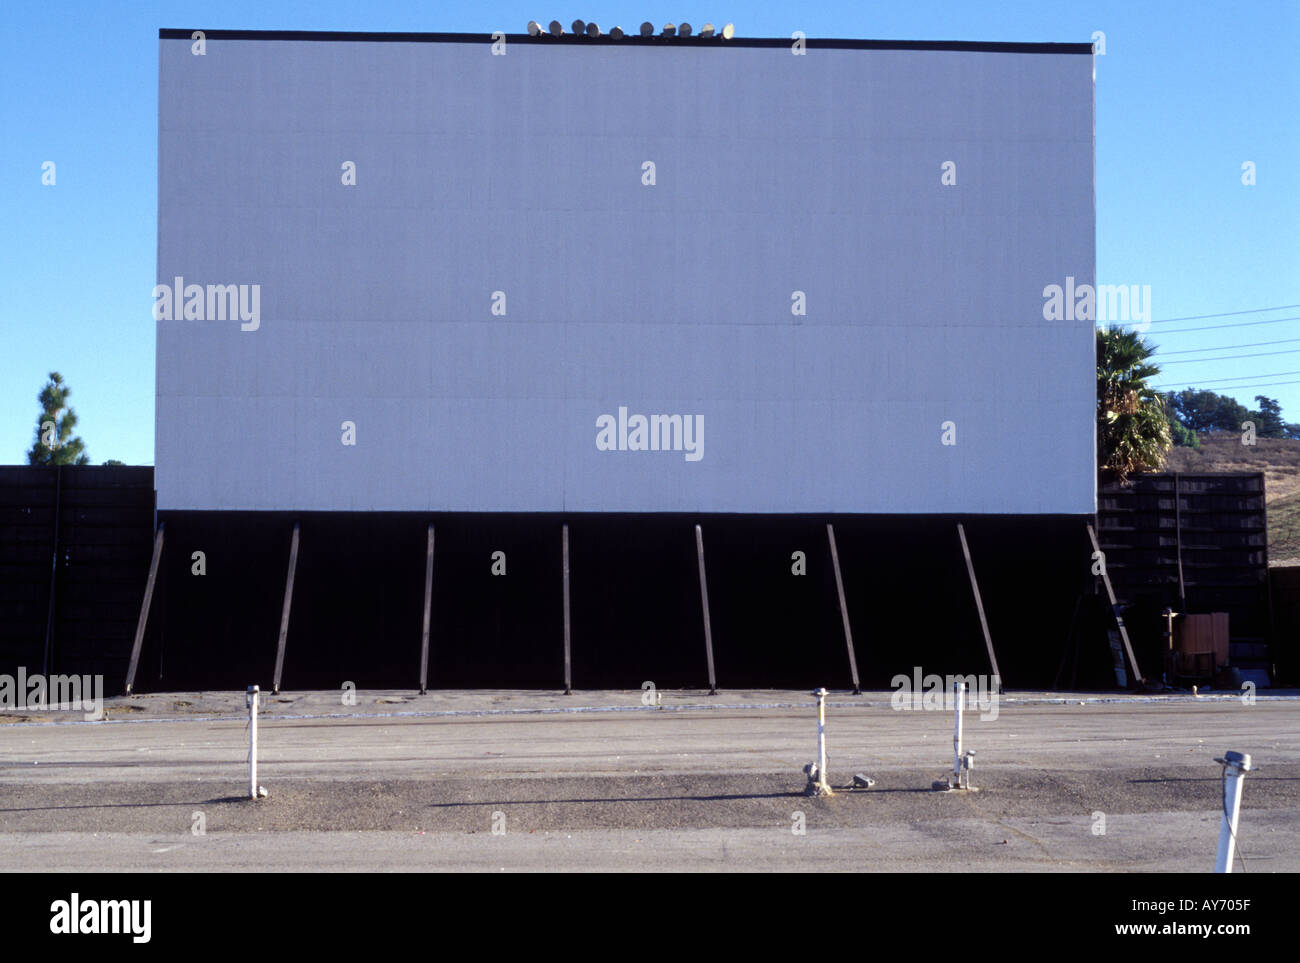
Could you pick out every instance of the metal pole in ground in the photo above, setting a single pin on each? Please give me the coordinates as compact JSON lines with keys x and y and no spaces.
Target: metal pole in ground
{"x":1235,"y":767}
{"x":959,"y":698}
{"x":817,"y":784}
{"x":252,"y":741}
{"x":821,"y":734}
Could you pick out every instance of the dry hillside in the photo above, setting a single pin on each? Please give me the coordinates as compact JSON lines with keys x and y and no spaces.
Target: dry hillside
{"x":1279,"y":460}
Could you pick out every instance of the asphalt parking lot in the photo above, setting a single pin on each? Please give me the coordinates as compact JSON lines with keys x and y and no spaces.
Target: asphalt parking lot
{"x":528,"y":781}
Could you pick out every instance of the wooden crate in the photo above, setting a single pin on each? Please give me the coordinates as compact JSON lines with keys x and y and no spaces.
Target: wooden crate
{"x":1199,"y":636}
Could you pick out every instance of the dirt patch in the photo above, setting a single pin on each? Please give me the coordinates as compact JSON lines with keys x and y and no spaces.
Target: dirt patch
{"x":648,"y":801}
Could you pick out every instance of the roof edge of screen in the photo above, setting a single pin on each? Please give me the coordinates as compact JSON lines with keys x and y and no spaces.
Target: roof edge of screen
{"x":331,"y":36}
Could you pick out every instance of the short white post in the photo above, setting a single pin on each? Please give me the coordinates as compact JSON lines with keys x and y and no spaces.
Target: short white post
{"x":253,"y":692}
{"x":819,"y":786}
{"x":821,"y":733}
{"x":959,"y":698}
{"x":1235,"y":767}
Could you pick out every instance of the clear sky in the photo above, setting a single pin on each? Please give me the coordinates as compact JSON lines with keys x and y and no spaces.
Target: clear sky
{"x":1186,"y":93}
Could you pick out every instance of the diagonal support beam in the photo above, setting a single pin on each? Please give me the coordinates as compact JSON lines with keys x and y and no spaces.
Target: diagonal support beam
{"x":1138,"y":681}
{"x":284,"y":612}
{"x":428,"y":605}
{"x":704,"y":601}
{"x":844,"y":608}
{"x":979,"y":604}
{"x":568,"y":661}
{"x":145,"y":605}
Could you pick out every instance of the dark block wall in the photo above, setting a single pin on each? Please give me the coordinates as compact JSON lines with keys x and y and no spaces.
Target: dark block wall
{"x":1217,"y":524}
{"x":1286,"y":614}
{"x":96,"y":572}
{"x":636,"y":611}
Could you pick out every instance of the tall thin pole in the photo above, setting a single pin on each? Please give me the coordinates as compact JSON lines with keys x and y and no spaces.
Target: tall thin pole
{"x":1178,"y":542}
{"x":704,"y":600}
{"x":568,"y":666}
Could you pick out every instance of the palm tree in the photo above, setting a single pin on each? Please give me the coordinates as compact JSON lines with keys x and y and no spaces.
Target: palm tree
{"x":1132,"y":426}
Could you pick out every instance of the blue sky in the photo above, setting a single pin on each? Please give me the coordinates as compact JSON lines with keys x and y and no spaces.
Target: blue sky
{"x":1186,"y":93}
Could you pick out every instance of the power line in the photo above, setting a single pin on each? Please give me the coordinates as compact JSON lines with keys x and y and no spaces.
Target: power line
{"x":1215,"y":327}
{"x":1228,"y":314}
{"x":1271,"y":374}
{"x":1232,"y":357}
{"x":1225,"y":314}
{"x":1266,"y":384}
{"x":1227,"y":347}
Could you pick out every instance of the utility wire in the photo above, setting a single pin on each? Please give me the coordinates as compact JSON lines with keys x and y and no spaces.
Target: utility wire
{"x":1229,"y":347}
{"x":1231,"y":357}
{"x":1225,"y":314}
{"x":1216,"y":327}
{"x":1196,"y":384}
{"x":1271,"y":374}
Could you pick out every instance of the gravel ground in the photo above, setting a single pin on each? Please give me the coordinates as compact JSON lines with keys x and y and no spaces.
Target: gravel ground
{"x":422,"y":783}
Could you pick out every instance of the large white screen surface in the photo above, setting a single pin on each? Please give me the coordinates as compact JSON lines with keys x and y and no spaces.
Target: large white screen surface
{"x":475,"y":323}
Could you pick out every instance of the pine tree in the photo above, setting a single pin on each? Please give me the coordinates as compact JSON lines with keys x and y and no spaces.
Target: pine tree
{"x":55,"y":443}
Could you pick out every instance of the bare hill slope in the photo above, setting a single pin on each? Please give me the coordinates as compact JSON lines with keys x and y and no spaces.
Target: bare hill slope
{"x":1279,"y":460}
